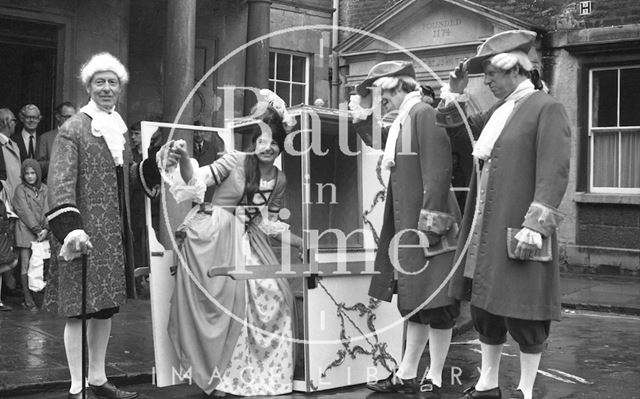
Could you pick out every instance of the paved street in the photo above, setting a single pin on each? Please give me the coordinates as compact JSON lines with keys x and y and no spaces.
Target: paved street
{"x":590,"y":356}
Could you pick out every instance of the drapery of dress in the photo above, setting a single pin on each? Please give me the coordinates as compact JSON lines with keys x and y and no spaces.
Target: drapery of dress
{"x":222,"y":353}
{"x":262,"y":363}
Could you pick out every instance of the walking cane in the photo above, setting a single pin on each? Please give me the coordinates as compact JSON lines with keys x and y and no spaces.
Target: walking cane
{"x":84,"y":322}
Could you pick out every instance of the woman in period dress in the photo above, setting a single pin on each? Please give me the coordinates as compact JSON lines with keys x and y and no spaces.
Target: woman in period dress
{"x":225,"y":355}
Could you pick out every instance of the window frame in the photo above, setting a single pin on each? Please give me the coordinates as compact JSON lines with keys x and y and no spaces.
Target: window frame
{"x":593,"y":131}
{"x":307,"y":72}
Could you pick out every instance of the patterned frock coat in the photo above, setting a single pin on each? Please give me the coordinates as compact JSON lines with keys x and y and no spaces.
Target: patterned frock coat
{"x":528,"y":172}
{"x":418,"y":198}
{"x":86,"y":191}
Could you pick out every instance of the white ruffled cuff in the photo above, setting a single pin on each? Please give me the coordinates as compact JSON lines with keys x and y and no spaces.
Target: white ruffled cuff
{"x":448,"y":97}
{"x":356,"y":110}
{"x":530,"y":237}
{"x":191,"y":191}
{"x":273,"y":227}
{"x":67,"y":252}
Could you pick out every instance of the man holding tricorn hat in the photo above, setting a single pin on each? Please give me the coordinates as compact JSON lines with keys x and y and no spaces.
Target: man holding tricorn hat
{"x":421,"y":215}
{"x":510,"y":272}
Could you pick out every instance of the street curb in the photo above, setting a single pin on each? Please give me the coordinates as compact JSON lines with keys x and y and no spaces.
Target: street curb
{"x":131,"y":379}
{"x":603,"y":308}
{"x":7,"y":390}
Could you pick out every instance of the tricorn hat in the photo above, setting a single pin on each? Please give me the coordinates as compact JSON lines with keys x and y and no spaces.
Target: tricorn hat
{"x":386,"y":68}
{"x":502,"y":42}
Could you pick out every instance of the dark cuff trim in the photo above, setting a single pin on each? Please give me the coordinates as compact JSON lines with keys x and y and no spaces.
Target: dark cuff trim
{"x":542,"y":218}
{"x":435,"y":221}
{"x":149,"y":177}
{"x":364,"y":129}
{"x":449,"y":116}
{"x":63,"y":220}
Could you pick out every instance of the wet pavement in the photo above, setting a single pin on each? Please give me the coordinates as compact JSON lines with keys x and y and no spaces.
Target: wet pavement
{"x":33,"y":349}
{"x":590,"y":354}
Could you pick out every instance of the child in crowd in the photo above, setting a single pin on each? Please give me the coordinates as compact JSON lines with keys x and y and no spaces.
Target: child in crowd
{"x":30,"y":204}
{"x":8,"y":258}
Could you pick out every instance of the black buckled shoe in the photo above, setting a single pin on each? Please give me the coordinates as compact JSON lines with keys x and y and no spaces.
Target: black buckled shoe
{"x":471,"y":393}
{"x":89,"y":395}
{"x":393,"y":383}
{"x":429,"y":390}
{"x":110,"y":391}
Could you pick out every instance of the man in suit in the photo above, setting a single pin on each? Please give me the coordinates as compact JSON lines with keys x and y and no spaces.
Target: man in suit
{"x":207,"y":147}
{"x":26,"y":138}
{"x":63,"y":111}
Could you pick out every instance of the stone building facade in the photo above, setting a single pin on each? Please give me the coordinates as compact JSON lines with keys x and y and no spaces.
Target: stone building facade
{"x":168,"y":47}
{"x":588,"y":53}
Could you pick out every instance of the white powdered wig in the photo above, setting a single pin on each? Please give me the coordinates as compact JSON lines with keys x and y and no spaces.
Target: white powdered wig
{"x":506,"y":61}
{"x":391,"y":82}
{"x":100,"y":63}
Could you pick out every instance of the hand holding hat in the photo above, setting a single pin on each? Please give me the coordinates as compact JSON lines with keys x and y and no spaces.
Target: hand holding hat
{"x":503,"y":42}
{"x":458,"y":79}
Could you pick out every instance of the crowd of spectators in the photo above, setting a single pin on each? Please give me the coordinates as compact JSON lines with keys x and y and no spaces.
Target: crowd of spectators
{"x":25,"y":151}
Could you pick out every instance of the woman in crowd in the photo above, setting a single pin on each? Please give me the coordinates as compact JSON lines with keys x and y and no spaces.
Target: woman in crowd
{"x":89,"y":177}
{"x":417,"y":241}
{"x":510,"y":273}
{"x":30,"y":204}
{"x":254,"y":357}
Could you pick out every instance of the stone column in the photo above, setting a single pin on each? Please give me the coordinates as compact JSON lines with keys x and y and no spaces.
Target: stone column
{"x":257,"y":55}
{"x":179,"y":58}
{"x":178,"y":81}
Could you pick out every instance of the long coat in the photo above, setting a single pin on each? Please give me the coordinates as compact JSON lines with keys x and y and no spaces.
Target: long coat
{"x":45,"y":149}
{"x":30,"y":204}
{"x":418,"y":198}
{"x":85,"y":192}
{"x":529,"y":163}
{"x":9,"y":164}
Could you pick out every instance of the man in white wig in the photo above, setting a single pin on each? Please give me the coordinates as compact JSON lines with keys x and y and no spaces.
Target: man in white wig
{"x":89,"y":176}
{"x":510,"y":271}
{"x":417,"y":240}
